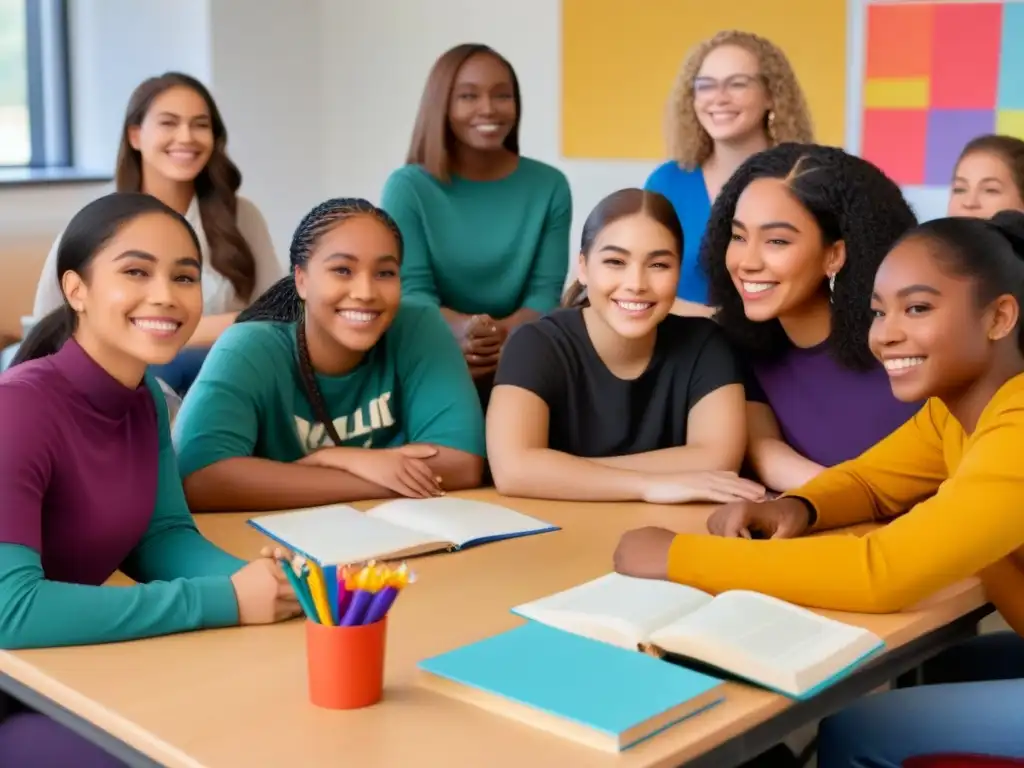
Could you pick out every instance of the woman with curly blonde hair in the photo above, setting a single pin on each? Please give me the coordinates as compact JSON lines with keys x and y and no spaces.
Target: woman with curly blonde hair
{"x":735,"y":95}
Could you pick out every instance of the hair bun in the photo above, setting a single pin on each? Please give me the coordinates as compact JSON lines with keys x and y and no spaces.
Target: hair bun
{"x":1011,"y":225}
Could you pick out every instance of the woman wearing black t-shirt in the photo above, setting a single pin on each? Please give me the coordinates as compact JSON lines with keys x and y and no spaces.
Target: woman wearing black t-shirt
{"x":612,"y":398}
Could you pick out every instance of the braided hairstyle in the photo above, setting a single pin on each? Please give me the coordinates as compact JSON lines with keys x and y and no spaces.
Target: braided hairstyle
{"x":851,"y":200}
{"x":281,"y":302}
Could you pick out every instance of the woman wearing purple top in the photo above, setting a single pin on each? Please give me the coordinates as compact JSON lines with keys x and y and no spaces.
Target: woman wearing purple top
{"x":88,"y":477}
{"x":791,"y":249}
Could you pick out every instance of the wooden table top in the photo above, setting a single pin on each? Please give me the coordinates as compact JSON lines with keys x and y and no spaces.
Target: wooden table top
{"x":231,"y":697}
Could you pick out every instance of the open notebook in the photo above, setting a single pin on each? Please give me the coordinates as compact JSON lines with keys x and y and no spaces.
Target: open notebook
{"x":339,"y":534}
{"x":767,"y":641}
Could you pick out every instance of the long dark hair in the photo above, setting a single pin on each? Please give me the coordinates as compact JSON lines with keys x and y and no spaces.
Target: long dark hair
{"x":618,"y":205}
{"x":432,"y":139}
{"x":86,"y":234}
{"x":851,"y":200}
{"x":988,"y":251}
{"x":281,"y":302}
{"x":216,"y":185}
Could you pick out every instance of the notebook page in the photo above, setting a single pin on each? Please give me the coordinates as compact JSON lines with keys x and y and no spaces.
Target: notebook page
{"x":633,"y":607}
{"x":454,"y":520}
{"x":339,"y":534}
{"x":763,"y":637}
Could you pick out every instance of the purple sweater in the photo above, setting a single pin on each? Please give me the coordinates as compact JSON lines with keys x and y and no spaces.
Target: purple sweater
{"x":89,"y":485}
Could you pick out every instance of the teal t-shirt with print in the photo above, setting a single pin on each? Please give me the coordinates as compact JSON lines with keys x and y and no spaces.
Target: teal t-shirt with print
{"x":248,"y":400}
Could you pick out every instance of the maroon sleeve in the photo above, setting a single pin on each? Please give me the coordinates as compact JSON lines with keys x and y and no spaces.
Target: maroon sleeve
{"x":26,"y":463}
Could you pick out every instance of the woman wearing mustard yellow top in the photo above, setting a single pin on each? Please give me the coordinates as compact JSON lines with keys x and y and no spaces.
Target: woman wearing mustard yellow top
{"x":948,"y":327}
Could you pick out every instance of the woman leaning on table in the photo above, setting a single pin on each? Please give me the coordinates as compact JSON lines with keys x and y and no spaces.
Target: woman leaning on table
{"x":88,"y":475}
{"x":486,"y":230}
{"x":947,"y":325}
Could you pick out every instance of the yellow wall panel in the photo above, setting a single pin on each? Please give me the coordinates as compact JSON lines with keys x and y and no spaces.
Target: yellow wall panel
{"x":619,"y":60}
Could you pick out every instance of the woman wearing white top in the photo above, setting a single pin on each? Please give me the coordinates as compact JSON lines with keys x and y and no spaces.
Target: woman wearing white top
{"x":173,"y":147}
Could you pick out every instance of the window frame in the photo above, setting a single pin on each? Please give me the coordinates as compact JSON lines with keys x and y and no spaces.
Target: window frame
{"x":49,"y":92}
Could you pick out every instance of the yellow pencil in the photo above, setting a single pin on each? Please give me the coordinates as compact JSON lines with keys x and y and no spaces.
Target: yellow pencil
{"x":319,"y":591}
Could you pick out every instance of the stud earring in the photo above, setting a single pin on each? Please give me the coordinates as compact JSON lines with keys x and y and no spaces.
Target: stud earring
{"x":771,"y":127}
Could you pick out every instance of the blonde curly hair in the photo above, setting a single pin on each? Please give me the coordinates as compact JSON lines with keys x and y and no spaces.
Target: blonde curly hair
{"x":689,"y":144}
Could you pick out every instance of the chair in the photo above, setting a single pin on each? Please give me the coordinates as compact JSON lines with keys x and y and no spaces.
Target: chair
{"x":961,"y":761}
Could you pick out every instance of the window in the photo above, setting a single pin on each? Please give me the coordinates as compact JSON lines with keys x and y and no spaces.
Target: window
{"x":34,"y":104}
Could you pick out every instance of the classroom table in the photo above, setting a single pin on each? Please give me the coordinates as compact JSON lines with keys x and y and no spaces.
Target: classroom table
{"x":234,"y":697}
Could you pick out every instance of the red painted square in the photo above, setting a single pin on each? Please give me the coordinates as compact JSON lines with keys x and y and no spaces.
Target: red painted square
{"x":894,"y":140}
{"x":965,"y":55}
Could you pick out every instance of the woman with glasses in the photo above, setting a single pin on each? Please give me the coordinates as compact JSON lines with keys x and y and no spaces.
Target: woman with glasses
{"x":735,"y":95}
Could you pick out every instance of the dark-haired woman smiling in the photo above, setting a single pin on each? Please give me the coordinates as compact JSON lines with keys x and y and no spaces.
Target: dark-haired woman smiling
{"x":486,"y":230}
{"x":173,"y":146}
{"x":791,"y":249}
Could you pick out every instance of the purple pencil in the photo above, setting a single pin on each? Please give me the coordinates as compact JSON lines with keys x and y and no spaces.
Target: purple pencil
{"x":381,"y":603}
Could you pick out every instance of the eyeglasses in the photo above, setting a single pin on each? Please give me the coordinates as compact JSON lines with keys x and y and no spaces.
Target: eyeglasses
{"x":736,"y":85}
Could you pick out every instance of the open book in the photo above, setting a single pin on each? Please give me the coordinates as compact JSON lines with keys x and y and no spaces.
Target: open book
{"x":339,"y":534}
{"x":767,"y":641}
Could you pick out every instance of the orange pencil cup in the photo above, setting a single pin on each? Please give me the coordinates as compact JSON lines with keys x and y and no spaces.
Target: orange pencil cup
{"x":345,"y":665}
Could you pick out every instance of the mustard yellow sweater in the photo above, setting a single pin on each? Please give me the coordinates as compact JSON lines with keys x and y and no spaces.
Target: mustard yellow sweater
{"x":957,"y":507}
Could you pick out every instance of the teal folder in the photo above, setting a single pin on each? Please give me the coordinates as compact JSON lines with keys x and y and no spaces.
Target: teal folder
{"x":605,"y":696}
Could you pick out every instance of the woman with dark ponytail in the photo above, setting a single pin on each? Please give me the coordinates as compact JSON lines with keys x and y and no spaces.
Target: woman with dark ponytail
{"x":947,"y":328}
{"x":327,"y":388}
{"x":613,"y":398}
{"x":88,"y":475}
{"x":174,"y":147}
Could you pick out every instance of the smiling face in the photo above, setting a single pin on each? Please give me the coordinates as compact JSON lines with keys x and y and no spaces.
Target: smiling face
{"x":175,"y":137}
{"x":139,"y":300}
{"x":729,"y":95}
{"x":351,"y":288}
{"x":777,"y":258}
{"x":631,"y":275}
{"x":983,"y":185}
{"x":482,"y":111}
{"x":929,"y":329}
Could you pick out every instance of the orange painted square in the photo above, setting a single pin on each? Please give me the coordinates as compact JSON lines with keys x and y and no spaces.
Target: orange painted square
{"x":899,"y":40}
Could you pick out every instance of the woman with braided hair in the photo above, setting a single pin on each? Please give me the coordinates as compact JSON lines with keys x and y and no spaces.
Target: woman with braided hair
{"x":328,"y":388}
{"x":791,"y":250}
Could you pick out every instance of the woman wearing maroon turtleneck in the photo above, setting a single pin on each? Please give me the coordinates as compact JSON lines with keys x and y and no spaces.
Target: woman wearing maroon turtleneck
{"x":88,"y":478}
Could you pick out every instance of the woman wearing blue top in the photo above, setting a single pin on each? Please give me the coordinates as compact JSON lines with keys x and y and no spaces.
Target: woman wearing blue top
{"x":735,"y":96}
{"x":328,"y":388}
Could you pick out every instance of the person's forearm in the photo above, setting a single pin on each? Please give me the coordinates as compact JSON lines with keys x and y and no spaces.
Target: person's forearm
{"x":685,"y":458}
{"x":779,"y":467}
{"x":452,"y":317}
{"x":1004,"y":584}
{"x":36,"y":613}
{"x":458,"y":470}
{"x":210,"y":328}
{"x":542,"y":473}
{"x":249,"y":484}
{"x":692,"y":309}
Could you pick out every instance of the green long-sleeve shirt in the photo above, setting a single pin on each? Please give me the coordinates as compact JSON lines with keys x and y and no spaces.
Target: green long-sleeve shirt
{"x":483,"y":247}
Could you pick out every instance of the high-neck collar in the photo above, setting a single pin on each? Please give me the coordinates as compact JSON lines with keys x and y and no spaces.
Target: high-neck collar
{"x":103,"y":392}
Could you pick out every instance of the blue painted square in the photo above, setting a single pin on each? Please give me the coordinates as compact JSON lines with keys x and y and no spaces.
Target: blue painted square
{"x":1011,"y":61}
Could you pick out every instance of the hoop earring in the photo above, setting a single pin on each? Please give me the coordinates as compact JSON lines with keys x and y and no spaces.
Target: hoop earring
{"x":831,"y":287}
{"x":771,"y":127}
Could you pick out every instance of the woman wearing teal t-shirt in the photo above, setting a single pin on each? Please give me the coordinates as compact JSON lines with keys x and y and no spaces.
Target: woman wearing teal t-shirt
{"x":486,"y":230}
{"x":328,"y":388}
{"x":735,"y":96}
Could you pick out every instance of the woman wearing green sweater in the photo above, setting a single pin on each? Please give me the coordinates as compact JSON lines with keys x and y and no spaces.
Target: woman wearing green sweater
{"x":486,"y":230}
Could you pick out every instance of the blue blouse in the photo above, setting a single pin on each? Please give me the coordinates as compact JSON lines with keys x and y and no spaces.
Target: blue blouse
{"x":688,"y":194}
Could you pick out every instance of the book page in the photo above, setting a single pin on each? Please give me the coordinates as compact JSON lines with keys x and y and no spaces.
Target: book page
{"x":614,"y":608}
{"x":767,"y":640}
{"x":456,"y":521}
{"x":339,"y":535}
